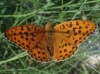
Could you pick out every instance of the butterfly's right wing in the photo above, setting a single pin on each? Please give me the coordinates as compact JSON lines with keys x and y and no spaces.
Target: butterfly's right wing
{"x":75,"y":32}
{"x":62,"y":49}
{"x":69,"y":35}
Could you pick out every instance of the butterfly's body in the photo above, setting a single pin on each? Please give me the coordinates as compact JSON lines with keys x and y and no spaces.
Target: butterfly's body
{"x":49,"y":38}
{"x":57,"y":43}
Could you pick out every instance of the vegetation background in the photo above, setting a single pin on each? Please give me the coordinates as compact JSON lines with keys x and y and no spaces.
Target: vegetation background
{"x":14,"y":60}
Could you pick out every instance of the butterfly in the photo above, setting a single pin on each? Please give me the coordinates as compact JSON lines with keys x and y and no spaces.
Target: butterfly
{"x":56,"y":43}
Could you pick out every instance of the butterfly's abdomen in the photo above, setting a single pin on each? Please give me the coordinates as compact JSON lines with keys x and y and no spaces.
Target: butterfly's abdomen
{"x":50,"y":44}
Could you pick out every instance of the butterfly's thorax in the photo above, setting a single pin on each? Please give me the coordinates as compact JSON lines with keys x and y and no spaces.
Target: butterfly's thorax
{"x":49,"y":38}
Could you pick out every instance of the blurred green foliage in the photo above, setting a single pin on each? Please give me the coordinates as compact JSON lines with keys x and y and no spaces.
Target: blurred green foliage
{"x":13,"y":60}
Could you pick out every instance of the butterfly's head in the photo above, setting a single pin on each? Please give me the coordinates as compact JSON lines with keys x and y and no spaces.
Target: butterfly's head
{"x":48,"y":27}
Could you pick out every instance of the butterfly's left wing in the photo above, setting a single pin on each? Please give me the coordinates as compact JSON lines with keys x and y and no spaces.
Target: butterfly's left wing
{"x":30,"y":38}
{"x":40,"y":52}
{"x":69,"y":35}
{"x":25,"y":36}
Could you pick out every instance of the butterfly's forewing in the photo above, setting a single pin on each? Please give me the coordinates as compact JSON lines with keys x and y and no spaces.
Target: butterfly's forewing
{"x":70,"y":34}
{"x":76,"y":31}
{"x":25,"y":36}
{"x":29,"y":37}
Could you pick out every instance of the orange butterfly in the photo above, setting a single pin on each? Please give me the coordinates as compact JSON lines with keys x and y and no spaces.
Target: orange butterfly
{"x":51,"y":43}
